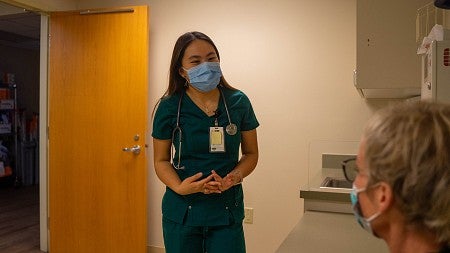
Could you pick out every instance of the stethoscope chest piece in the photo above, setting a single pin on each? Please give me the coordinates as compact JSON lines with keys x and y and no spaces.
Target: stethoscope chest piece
{"x":231,"y":129}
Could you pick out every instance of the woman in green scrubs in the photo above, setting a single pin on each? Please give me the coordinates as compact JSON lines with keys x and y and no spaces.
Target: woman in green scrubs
{"x":206,"y":121}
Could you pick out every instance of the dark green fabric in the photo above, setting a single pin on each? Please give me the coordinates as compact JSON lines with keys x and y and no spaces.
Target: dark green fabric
{"x":200,"y":209}
{"x":215,"y":239}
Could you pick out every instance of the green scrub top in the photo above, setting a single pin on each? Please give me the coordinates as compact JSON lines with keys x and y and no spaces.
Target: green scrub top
{"x":200,"y":209}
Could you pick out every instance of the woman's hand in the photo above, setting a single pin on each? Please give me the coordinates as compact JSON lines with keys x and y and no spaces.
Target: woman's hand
{"x":192,"y":184}
{"x":245,"y":166}
{"x":225,"y":183}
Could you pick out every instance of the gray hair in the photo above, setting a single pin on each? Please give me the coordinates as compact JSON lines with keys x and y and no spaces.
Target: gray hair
{"x":408,"y":147}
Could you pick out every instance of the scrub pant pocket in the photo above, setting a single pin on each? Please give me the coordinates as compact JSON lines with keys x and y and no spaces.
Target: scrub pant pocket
{"x":180,"y":238}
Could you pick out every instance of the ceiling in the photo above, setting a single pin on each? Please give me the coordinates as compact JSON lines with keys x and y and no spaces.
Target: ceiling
{"x":18,"y":27}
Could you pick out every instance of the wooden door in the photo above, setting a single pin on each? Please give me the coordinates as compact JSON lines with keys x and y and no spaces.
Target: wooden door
{"x":98,"y":67}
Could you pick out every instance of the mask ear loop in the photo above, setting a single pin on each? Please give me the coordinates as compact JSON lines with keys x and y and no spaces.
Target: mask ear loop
{"x":186,"y":84}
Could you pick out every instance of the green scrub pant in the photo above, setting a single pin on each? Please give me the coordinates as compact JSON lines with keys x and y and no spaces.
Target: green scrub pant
{"x":179,"y":238}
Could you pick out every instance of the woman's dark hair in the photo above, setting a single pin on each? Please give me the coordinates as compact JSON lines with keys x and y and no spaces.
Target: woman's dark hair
{"x":176,"y":81}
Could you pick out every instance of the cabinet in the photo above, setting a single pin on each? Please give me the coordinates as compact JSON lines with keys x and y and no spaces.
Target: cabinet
{"x":387,"y":65}
{"x":8,"y":131}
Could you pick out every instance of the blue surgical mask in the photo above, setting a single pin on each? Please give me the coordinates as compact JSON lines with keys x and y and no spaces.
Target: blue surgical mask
{"x":206,"y":76}
{"x":364,"y":222}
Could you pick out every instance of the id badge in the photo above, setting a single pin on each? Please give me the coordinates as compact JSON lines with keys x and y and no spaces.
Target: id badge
{"x":216,"y":140}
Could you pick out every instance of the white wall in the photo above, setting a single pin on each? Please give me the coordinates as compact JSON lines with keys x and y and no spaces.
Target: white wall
{"x":294,"y":59}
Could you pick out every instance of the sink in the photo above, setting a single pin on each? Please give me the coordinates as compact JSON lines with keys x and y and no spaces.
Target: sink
{"x":330,"y":182}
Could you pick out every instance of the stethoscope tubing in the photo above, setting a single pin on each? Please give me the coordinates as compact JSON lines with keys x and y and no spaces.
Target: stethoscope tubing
{"x":180,"y":134}
{"x":226,"y":107}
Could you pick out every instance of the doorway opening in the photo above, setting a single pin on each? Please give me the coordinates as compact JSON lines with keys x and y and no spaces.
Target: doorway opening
{"x":19,"y":129}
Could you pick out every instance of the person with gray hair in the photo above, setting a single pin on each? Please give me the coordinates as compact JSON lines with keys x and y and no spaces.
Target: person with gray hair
{"x":401,"y":187}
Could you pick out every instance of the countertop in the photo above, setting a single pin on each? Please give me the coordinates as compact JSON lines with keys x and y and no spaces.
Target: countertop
{"x":328,"y":224}
{"x":327,"y":232}
{"x":326,"y":199}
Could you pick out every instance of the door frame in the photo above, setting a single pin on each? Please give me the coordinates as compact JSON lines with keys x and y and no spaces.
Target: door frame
{"x":43,"y":133}
{"x":43,"y":121}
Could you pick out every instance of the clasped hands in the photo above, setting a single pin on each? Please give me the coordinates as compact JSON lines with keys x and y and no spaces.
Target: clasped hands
{"x":210,"y":184}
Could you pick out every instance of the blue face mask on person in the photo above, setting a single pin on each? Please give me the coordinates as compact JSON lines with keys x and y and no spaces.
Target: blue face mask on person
{"x":206,"y":76}
{"x":364,"y":222}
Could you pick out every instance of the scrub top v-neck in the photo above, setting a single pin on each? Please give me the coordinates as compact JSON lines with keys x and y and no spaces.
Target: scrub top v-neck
{"x":201,"y":209}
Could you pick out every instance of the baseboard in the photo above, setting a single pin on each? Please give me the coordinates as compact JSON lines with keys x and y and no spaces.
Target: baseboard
{"x":155,"y":249}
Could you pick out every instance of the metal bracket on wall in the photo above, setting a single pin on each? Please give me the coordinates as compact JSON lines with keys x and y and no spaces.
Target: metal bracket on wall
{"x":106,"y":11}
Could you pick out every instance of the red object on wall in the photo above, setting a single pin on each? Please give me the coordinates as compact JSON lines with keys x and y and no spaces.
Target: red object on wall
{"x":446,"y":57}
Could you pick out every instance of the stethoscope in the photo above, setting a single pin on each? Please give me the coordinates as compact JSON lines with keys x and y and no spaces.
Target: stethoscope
{"x":231,"y":129}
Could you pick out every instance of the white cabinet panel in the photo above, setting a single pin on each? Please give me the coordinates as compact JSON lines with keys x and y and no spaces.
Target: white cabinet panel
{"x":387,"y":65}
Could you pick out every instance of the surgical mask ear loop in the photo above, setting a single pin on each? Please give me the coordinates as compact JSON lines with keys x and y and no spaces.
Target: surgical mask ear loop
{"x":365,"y":223}
{"x":180,"y":134}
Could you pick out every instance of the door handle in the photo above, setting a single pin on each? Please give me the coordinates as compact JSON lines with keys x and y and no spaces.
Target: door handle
{"x":136,"y":149}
